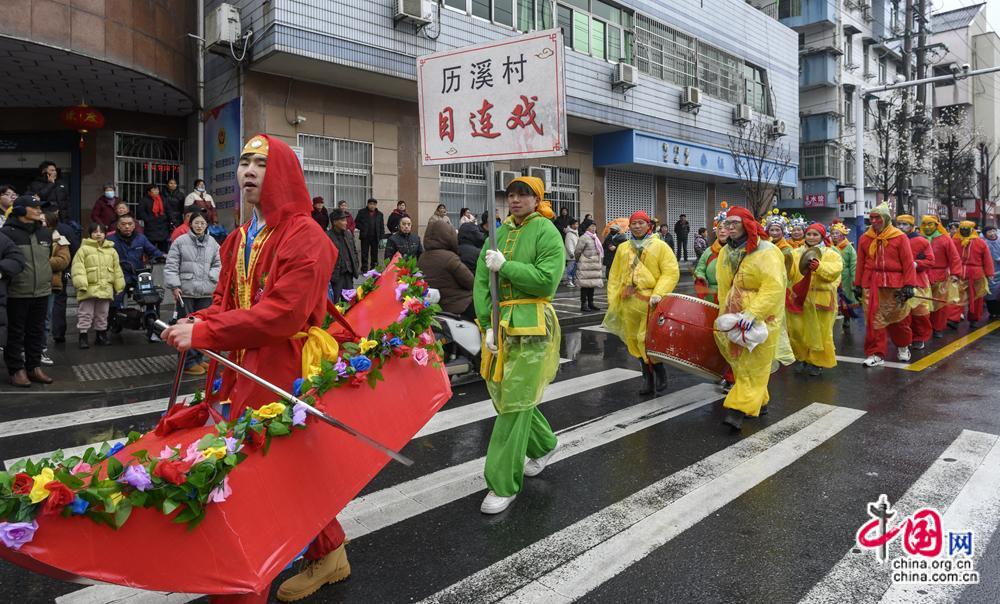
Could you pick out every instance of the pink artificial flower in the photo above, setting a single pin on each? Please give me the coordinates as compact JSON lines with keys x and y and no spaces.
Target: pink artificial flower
{"x":420,"y":355}
{"x":426,"y":339}
{"x":81,"y":468}
{"x":193,"y":455}
{"x":168,"y":451}
{"x":221,"y":492}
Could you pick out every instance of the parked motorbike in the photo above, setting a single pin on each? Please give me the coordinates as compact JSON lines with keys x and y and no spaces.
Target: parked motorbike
{"x":462,"y":343}
{"x":140,"y":304}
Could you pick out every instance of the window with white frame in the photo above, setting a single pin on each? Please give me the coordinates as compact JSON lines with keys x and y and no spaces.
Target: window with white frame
{"x":141,"y":160}
{"x":849,"y":48}
{"x":849,"y":105}
{"x":819,"y":161}
{"x":596,"y":28}
{"x":664,"y":52}
{"x":523,"y":15}
{"x":718,"y":73}
{"x":464,"y":186}
{"x":337,"y":169}
{"x":564,"y":190}
{"x":756,"y":89}
{"x":883,"y":70}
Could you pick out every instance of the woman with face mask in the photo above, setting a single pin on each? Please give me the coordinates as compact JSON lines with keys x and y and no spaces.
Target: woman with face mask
{"x":201,"y":199}
{"x":104,"y":207}
{"x":191,"y":273}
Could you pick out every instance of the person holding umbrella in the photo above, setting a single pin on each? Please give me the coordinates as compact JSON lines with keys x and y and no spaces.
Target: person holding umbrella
{"x":520,"y":354}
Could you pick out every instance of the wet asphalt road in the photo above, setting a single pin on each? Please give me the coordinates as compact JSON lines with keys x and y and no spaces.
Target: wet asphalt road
{"x":772,"y":541}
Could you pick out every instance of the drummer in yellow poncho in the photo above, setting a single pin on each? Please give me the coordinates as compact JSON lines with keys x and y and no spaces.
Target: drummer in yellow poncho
{"x":645,"y":269}
{"x":751,"y":285}
{"x":812,"y":302}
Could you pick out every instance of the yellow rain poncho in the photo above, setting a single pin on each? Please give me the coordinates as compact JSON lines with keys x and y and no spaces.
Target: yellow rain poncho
{"x":636,"y":276}
{"x":755,"y":286}
{"x":811,"y":331}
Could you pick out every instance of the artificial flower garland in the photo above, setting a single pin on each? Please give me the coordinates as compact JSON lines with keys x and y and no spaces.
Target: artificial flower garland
{"x":183,"y":481}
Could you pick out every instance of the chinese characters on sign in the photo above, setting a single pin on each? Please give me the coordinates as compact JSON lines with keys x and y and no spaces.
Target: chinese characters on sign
{"x":501,"y":100}
{"x":815,"y":200}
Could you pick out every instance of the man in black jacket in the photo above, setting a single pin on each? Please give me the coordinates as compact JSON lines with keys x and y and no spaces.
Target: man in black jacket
{"x":681,"y":228}
{"x":471,"y":237}
{"x":404,"y":241}
{"x":611,"y":243}
{"x":28,"y":293}
{"x":51,"y":190}
{"x":174,"y":196}
{"x":11,"y":263}
{"x":346,"y":268}
{"x":371,"y":227}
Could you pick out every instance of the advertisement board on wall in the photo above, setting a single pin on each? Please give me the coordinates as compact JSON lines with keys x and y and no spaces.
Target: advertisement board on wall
{"x":501,"y":100}
{"x":223,"y":142}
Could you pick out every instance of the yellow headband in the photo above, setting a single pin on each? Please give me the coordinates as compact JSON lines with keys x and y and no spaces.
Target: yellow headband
{"x":907,"y":219}
{"x":255,"y":146}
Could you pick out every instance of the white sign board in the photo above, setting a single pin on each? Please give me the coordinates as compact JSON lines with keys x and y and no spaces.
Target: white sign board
{"x":501,"y":100}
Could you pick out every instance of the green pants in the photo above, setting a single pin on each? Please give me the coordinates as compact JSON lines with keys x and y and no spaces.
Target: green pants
{"x":516,"y":435}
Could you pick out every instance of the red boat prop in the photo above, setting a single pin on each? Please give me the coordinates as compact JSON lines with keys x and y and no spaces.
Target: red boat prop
{"x":680,"y":333}
{"x":278,"y":497}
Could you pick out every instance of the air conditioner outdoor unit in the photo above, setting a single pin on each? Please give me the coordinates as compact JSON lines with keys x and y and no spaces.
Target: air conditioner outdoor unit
{"x":420,"y":12}
{"x":690,"y":98}
{"x":626,"y":76}
{"x":741,"y":113}
{"x":222,"y":27}
{"x":544,"y":173}
{"x":502,"y":179}
{"x":777,"y":128}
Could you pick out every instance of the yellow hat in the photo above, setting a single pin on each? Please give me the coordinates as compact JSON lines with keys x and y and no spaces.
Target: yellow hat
{"x":907,"y":219}
{"x":932,"y":219}
{"x":255,"y":146}
{"x":537,"y":186}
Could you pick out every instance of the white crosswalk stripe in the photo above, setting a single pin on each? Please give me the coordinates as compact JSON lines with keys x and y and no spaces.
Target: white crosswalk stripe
{"x":964,"y":483}
{"x":572,"y":562}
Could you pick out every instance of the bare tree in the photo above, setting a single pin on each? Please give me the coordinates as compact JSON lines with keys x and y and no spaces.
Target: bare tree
{"x":761,"y":160}
{"x":956,"y":146}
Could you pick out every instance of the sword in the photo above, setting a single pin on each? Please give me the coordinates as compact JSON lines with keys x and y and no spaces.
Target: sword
{"x":336,"y":423}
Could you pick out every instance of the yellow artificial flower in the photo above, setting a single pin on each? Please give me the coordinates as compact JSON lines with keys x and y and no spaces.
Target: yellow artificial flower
{"x":216,"y":452}
{"x":38,"y":491}
{"x":367,"y":345}
{"x":116,"y":498}
{"x":269,"y":411}
{"x":361,"y":293}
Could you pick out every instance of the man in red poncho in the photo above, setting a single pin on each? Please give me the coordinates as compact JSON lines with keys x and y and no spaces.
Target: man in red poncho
{"x":923,"y":257}
{"x":885,"y":279}
{"x":977,"y":270}
{"x":272,"y":287}
{"x":947,"y":267}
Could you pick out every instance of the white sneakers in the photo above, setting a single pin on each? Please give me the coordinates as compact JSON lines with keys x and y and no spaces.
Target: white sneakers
{"x":534,"y":467}
{"x":494,"y":504}
{"x":903,"y":354}
{"x":876,"y":361}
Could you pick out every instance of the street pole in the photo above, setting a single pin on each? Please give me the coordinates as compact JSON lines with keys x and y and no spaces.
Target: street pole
{"x":903,"y":176}
{"x":200,"y":152}
{"x":491,"y":211}
{"x":859,"y":130}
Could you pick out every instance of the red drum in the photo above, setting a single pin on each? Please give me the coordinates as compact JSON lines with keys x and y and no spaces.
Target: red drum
{"x":680,"y":333}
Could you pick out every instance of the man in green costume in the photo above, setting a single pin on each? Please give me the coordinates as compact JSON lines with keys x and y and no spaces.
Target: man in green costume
{"x":522,"y":358}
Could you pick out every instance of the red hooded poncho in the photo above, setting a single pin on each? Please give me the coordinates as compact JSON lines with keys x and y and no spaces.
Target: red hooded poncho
{"x":257,"y":309}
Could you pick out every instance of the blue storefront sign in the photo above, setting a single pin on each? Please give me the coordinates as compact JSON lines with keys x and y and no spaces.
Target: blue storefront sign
{"x":629,"y":147}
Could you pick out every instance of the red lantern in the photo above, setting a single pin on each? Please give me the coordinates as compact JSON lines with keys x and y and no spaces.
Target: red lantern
{"x":82,"y":119}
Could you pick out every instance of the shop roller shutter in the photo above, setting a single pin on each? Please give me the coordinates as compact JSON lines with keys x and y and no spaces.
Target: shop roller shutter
{"x":627,"y":192}
{"x":686,"y":197}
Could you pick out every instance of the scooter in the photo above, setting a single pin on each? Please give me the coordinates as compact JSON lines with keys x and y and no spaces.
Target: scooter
{"x":145,"y":297}
{"x":462,"y":343}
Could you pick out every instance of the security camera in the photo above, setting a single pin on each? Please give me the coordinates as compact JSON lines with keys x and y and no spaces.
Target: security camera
{"x":955,"y":69}
{"x":299,"y":119}
{"x":966,"y":67}
{"x":900,"y":78}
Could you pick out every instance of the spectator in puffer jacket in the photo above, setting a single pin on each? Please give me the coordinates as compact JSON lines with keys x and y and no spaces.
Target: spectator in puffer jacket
{"x":104,"y":207}
{"x":444,"y":271}
{"x":191,"y":273}
{"x":97,"y":277}
{"x":471,"y":237}
{"x":404,"y":241}
{"x":11,"y":263}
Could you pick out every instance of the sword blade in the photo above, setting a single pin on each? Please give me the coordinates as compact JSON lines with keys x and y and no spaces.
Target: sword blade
{"x":336,"y":423}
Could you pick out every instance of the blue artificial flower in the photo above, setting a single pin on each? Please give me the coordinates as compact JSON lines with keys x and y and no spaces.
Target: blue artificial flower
{"x":216,"y":384}
{"x":78,"y":506}
{"x":361,"y":363}
{"x":297,"y":386}
{"x":395,"y":342}
{"x":115,"y":448}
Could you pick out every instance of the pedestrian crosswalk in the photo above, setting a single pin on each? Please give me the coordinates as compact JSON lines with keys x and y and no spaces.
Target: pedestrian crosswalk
{"x":596,"y":414}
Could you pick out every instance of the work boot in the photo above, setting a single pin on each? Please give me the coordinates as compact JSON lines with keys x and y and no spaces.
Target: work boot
{"x":660,"y":375}
{"x":84,"y":344}
{"x":20,"y":379}
{"x":102,"y":339}
{"x":331,"y":568}
{"x":38,"y":376}
{"x":938,"y":334}
{"x":815,"y":370}
{"x":647,"y":377}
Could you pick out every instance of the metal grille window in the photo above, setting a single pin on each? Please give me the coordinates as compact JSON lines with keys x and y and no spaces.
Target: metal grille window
{"x":464,"y":186}
{"x":664,"y":53}
{"x":718,"y":73}
{"x":337,"y":169}
{"x":820,"y":161}
{"x":627,"y":192}
{"x":140,"y":160}
{"x":687,"y":197}
{"x":564,"y":190}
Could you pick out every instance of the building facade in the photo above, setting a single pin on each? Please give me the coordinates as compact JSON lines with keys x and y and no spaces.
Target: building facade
{"x":130,"y":59}
{"x":966,"y":38}
{"x":338,"y":80}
